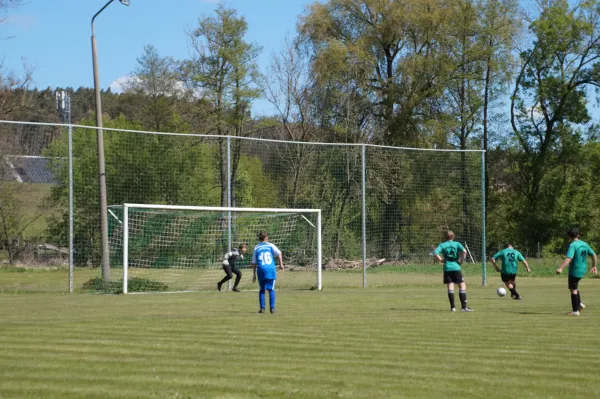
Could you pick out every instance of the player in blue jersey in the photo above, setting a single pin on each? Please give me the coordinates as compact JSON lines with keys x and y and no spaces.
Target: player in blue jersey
{"x":263,"y":266}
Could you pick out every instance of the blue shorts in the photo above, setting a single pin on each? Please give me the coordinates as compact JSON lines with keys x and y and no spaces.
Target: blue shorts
{"x":266,"y":284}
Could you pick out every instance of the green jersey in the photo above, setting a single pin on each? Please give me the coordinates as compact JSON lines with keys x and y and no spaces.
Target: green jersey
{"x":450,"y":251}
{"x":510,"y":259}
{"x":578,"y":252}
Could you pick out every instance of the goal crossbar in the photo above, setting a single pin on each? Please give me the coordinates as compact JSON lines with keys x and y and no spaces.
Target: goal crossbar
{"x":300,"y":211}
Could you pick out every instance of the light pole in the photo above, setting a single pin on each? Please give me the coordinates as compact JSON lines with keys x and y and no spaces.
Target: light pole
{"x":101,"y":166}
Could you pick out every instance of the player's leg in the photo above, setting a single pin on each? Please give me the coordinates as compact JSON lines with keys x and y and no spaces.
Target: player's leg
{"x":462,"y":292}
{"x":573,"y":287}
{"x":581,"y":305}
{"x":448,"y":281}
{"x":270,"y":286}
{"x":512,"y":286}
{"x":261,"y":295}
{"x":238,"y":277}
{"x":228,"y":275}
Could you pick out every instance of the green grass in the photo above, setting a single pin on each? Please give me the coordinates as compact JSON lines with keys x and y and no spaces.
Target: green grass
{"x":55,"y":279}
{"x":31,"y":196}
{"x":347,"y":343}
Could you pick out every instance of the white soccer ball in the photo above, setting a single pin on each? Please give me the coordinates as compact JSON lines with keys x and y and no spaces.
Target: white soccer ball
{"x":501,"y":291}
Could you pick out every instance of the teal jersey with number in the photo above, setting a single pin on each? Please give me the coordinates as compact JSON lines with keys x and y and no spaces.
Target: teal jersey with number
{"x":578,"y":252}
{"x":510,"y":259}
{"x":450,"y":251}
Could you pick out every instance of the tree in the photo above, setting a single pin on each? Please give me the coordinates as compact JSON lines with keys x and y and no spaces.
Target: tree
{"x":500,"y":25}
{"x":549,"y":100}
{"x":156,"y":88}
{"x":389,"y":51}
{"x":223,"y":71}
{"x":15,"y":96}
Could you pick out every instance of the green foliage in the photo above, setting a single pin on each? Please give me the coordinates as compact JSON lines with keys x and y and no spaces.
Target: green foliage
{"x":134,"y":284}
{"x":552,"y":176}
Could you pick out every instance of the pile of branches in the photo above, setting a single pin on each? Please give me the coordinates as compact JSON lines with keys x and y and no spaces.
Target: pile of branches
{"x":343,"y":264}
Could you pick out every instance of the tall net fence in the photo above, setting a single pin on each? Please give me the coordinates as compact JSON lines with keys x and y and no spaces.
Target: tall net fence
{"x":410,"y":196}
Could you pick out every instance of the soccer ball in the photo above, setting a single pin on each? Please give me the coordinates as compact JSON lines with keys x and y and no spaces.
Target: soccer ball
{"x":501,"y":291}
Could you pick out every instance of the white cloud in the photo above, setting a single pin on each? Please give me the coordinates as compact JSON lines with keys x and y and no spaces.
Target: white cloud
{"x":119,"y":84}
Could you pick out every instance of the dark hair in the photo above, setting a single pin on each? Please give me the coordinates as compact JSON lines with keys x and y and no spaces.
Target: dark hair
{"x":242,"y":246}
{"x":573,"y":232}
{"x":508,"y":244}
{"x":262,"y":235}
{"x":449,"y":235}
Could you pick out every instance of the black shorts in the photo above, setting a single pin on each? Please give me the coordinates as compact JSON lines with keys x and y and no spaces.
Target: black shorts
{"x":507,"y":277}
{"x":455,"y":277}
{"x":573,"y":282}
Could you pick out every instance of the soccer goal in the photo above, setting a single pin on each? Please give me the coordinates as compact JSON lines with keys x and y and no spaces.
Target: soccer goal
{"x":181,"y":248}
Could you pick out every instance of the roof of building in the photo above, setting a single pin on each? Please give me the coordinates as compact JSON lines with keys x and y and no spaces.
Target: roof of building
{"x":28,"y":169}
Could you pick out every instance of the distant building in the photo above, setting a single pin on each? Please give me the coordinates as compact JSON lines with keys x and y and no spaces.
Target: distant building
{"x":27,"y":169}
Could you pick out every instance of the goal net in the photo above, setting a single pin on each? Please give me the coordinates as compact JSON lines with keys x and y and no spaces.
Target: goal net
{"x":182,"y":248}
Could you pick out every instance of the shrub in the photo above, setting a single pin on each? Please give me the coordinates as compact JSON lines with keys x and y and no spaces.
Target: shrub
{"x":135,"y":284}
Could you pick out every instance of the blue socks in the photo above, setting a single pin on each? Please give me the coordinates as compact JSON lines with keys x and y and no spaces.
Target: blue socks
{"x":261,"y":299}
{"x":272,"y":299}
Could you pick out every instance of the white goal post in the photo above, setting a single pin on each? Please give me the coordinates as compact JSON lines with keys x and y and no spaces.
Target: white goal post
{"x":229,"y":220}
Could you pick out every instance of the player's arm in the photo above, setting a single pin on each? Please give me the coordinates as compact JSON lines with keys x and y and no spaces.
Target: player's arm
{"x":493,"y":259}
{"x":568,"y":259}
{"x":280,"y":261}
{"x":522,"y":259}
{"x":594,"y":269}
{"x":254,"y":265}
{"x":437,"y":253}
{"x":226,"y":258}
{"x":564,"y":264}
{"x":463,"y":254}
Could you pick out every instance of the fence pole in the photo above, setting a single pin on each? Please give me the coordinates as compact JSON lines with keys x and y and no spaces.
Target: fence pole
{"x":319,"y":253}
{"x":229,"y":243}
{"x":483,"y":245}
{"x":229,"y":193}
{"x":125,"y":248}
{"x":71,"y":249}
{"x":364,"y":212}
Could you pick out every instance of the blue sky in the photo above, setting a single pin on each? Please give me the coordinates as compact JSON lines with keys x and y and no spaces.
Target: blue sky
{"x":54,"y":35}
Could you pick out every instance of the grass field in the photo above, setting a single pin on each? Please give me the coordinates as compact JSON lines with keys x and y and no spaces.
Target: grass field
{"x":55,"y":279}
{"x":346,"y":343}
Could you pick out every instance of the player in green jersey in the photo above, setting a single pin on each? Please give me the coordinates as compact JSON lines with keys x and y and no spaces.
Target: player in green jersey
{"x":452,"y":254}
{"x":576,"y":259}
{"x":510,"y":260}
